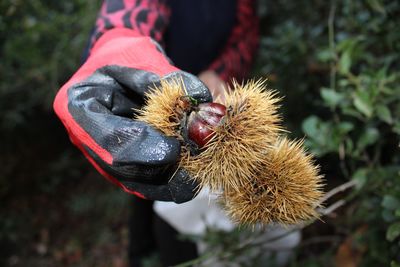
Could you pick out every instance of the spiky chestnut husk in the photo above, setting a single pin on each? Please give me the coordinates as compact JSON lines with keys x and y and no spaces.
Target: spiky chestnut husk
{"x":237,"y":157}
{"x":286,"y":190}
{"x":237,"y":150}
{"x":165,"y":108}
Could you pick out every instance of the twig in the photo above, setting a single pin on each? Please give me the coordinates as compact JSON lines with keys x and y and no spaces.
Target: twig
{"x":338,"y":189}
{"x":332,"y":207}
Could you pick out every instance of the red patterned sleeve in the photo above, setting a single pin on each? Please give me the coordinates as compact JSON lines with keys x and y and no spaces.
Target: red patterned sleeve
{"x":238,"y":53}
{"x":145,"y":17}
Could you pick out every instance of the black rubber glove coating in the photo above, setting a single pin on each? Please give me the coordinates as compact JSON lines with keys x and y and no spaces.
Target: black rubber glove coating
{"x":143,"y":159}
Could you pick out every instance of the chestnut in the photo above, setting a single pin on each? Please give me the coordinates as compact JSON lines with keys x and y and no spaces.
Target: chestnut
{"x":202,"y":121}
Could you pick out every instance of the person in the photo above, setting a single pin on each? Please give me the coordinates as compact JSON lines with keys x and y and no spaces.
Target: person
{"x":134,"y":45}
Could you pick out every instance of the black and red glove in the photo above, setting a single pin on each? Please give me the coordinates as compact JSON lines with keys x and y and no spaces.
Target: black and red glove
{"x":96,"y":107}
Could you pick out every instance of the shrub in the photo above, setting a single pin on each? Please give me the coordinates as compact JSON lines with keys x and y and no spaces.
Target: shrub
{"x":338,"y":66}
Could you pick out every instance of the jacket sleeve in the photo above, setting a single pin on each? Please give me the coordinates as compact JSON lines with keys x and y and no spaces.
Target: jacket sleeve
{"x":236,"y":58}
{"x":144,"y":17}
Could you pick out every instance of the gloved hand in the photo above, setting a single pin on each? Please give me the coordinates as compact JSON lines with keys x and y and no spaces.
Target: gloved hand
{"x":96,"y":107}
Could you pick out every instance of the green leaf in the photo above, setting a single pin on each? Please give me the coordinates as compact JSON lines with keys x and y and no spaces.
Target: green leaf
{"x":363,"y":103}
{"x":360,"y":176}
{"x":345,"y":127}
{"x":388,"y":216}
{"x":384,"y":114}
{"x":325,"y":55}
{"x":377,"y":6}
{"x":396,"y":128}
{"x":393,"y":232}
{"x":345,"y":62}
{"x":331,"y":97}
{"x":347,"y":44}
{"x":397,"y":212}
{"x":394,"y":264}
{"x":369,"y":137}
{"x":310,"y":126}
{"x":322,"y":137}
{"x":390,"y":202}
{"x":349,"y":147}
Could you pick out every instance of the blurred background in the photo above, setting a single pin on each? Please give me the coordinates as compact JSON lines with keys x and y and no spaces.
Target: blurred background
{"x":337,"y":64}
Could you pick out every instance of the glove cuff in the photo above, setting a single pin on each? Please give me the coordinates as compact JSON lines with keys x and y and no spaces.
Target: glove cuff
{"x":111,"y":35}
{"x":127,"y":48}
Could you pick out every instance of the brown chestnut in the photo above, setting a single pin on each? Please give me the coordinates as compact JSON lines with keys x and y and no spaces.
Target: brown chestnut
{"x":202,"y":121}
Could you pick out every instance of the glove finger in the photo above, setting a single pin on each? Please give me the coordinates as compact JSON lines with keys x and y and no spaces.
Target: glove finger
{"x":111,"y":94}
{"x":149,"y":191}
{"x":194,"y":87}
{"x":134,"y":82}
{"x":141,"y":173}
{"x":180,"y":188}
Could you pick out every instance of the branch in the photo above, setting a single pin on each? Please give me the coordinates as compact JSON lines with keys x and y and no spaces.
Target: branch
{"x":332,"y":207}
{"x":337,"y":189}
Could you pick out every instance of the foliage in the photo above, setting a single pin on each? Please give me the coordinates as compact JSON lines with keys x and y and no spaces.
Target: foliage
{"x":45,"y":185}
{"x":35,"y":37}
{"x":341,"y":60}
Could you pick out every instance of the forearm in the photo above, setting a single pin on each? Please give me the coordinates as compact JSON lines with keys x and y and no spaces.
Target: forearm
{"x":144,"y":18}
{"x":238,"y":54}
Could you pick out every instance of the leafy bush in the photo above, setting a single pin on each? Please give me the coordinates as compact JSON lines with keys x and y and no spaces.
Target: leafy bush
{"x":41,"y":44}
{"x":338,"y":66}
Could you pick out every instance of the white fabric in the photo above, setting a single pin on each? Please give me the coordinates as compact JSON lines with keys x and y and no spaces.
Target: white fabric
{"x":193,"y":217}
